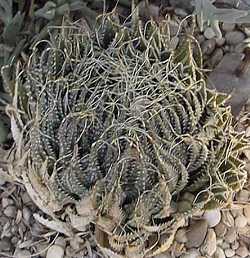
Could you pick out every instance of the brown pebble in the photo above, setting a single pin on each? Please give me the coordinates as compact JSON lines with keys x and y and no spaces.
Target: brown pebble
{"x":220,"y":229}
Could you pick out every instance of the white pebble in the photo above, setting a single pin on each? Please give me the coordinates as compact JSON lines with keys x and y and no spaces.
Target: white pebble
{"x":212,"y":217}
{"x":209,"y":33}
{"x":229,"y":253}
{"x":240,"y":221}
{"x":55,"y":251}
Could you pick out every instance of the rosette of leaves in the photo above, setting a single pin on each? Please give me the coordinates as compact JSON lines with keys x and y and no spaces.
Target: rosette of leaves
{"x":120,"y":121}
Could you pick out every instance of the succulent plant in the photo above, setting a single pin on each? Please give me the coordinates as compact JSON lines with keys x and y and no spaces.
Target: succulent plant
{"x":120,"y":121}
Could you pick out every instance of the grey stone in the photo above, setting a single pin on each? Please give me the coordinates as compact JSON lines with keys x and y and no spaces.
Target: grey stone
{"x":234,"y":37}
{"x":224,"y":79}
{"x":196,"y":233}
{"x":10,"y":211}
{"x":5,"y":245}
{"x":209,"y":33}
{"x":228,"y":26}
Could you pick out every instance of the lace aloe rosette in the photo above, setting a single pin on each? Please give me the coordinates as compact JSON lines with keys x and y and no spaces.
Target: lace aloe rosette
{"x":122,"y":123}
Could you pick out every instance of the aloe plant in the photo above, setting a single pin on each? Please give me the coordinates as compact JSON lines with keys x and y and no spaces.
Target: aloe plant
{"x":122,"y":126}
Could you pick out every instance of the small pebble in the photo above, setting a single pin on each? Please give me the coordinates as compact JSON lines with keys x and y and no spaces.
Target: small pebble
{"x":26,"y":198}
{"x":10,"y":211}
{"x":216,"y":57}
{"x":60,"y":241}
{"x":6,"y":202}
{"x":26,"y":214}
{"x":220,"y":41}
{"x":235,"y":245}
{"x":236,"y":212}
{"x":220,"y":230}
{"x":247,"y":213}
{"x":196,"y":233}
{"x":2,"y":181}
{"x":200,"y":38}
{"x":209,"y":33}
{"x":191,"y":254}
{"x":228,"y":26}
{"x":212,"y":217}
{"x":209,"y":246}
{"x":180,"y":12}
{"x":242,"y":196}
{"x":239,"y":48}
{"x":247,"y":31}
{"x":5,"y":245}
{"x":231,"y":235}
{"x":55,"y":251}
{"x":242,"y":251}
{"x":234,"y":37}
{"x":181,"y":236}
{"x":225,"y":245}
{"x":22,"y":253}
{"x":219,"y":253}
{"x":240,"y":221}
{"x":208,"y":46}
{"x":229,"y":253}
{"x":14,"y":240}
